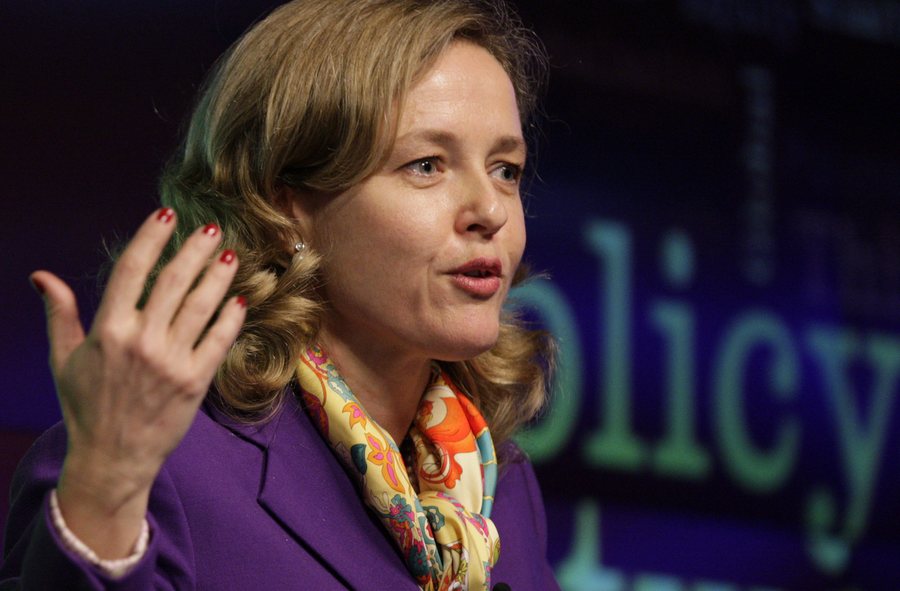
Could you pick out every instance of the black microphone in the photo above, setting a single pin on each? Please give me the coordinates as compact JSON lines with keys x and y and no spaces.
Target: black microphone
{"x":502,"y":587}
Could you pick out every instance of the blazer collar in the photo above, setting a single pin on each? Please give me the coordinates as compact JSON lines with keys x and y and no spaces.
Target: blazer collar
{"x":305,"y":489}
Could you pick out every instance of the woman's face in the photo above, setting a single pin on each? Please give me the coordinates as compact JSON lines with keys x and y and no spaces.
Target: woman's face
{"x":418,"y":258}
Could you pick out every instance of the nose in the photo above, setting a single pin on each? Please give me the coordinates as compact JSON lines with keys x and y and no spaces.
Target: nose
{"x":483,"y":210}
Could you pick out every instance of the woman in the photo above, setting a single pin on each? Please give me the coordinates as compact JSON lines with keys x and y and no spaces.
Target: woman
{"x":350,"y":185}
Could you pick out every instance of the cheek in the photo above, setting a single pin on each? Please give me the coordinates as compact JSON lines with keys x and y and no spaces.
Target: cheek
{"x":372,"y":244}
{"x":516,"y":239}
{"x":408,"y":236}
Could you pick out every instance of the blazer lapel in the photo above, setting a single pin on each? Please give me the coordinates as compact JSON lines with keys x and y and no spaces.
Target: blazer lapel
{"x":308,"y":492}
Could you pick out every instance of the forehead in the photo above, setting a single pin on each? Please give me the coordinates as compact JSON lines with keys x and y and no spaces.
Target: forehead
{"x":466,"y":87}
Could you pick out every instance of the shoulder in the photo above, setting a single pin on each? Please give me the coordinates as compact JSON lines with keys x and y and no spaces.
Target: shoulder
{"x":517,"y":478}
{"x":36,"y":473}
{"x":208,"y":452}
{"x":519,"y":516}
{"x":40,"y":466}
{"x":212,"y":462}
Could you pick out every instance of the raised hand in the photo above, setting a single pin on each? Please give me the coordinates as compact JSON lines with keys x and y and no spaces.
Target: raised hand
{"x":130,"y":388}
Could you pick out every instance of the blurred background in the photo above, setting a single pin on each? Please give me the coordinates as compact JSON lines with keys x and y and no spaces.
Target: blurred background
{"x":715,"y":208}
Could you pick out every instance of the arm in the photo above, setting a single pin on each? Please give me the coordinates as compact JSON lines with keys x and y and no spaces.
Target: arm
{"x":34,"y":556}
{"x":130,"y":388}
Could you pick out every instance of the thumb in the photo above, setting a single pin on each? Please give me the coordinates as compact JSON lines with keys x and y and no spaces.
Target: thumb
{"x":63,"y":324}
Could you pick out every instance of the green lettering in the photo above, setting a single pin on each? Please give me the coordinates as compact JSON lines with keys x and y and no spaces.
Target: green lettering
{"x":615,"y":444}
{"x":582,"y":568}
{"x":713,"y":586}
{"x":679,"y":453}
{"x":544,"y":440}
{"x":653,"y":582}
{"x":861,"y":438}
{"x":756,"y":469}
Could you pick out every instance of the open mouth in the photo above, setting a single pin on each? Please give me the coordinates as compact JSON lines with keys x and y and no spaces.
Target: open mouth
{"x":479,"y":277}
{"x":480,"y":273}
{"x":480,"y":268}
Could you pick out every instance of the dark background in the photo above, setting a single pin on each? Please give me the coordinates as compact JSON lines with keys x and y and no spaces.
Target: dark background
{"x":742,"y":156}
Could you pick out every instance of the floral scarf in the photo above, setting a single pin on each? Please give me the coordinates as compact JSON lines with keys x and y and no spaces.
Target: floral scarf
{"x":444,"y":532}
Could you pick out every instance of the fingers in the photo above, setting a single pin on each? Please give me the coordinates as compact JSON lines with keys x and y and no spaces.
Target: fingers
{"x":63,"y":324}
{"x":126,"y":283}
{"x":202,"y":302}
{"x":170,"y":298}
{"x":178,"y":276}
{"x":211,"y":351}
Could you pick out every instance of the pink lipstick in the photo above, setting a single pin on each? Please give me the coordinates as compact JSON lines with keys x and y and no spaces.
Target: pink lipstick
{"x":479,"y":277}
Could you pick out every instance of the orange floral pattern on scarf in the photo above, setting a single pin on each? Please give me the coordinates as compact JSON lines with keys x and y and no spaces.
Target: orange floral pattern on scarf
{"x":443,"y":531}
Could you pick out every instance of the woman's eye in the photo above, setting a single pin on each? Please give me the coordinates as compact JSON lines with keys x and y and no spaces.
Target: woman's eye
{"x":423,"y":167}
{"x":508,"y":173}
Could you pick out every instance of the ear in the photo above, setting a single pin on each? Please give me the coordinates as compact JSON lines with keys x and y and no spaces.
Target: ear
{"x":298,"y":205}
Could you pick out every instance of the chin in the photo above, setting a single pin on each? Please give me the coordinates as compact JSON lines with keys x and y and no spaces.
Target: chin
{"x":469,"y":349}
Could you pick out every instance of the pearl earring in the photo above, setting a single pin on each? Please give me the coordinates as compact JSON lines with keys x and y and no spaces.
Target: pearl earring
{"x":299,"y":248}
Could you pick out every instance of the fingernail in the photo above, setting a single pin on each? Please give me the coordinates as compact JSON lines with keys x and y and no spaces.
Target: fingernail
{"x":242,"y":301}
{"x":227,"y":257}
{"x":165,"y":215}
{"x":210,"y":229}
{"x":37,"y":286}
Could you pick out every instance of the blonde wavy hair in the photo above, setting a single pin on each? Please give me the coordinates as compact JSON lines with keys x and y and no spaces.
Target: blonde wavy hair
{"x":308,"y":98}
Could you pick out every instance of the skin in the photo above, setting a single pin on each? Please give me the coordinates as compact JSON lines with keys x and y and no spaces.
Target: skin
{"x":129,"y":388}
{"x":449,"y":192}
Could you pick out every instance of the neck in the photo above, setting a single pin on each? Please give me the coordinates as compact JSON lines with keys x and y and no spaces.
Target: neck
{"x":389,"y":385}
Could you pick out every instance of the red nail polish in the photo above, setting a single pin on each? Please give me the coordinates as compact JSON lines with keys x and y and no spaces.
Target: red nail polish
{"x":242,"y":301}
{"x":210,"y":229}
{"x":227,"y":256}
{"x":37,"y":286}
{"x":165,"y":215}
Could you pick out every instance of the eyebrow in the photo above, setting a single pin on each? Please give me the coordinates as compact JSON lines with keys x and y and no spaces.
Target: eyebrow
{"x":506,"y":143}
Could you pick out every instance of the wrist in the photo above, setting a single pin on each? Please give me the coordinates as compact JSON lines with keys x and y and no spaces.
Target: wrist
{"x":105,"y":488}
{"x":105,"y":512}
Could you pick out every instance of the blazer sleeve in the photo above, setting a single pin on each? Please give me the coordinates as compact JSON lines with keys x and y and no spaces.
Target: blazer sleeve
{"x":522,"y":523}
{"x":34,"y":556}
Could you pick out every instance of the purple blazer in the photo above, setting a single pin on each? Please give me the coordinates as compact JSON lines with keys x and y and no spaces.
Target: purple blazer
{"x":267,"y":506}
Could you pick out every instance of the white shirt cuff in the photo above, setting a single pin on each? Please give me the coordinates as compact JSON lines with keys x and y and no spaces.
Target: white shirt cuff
{"x":114,"y":568}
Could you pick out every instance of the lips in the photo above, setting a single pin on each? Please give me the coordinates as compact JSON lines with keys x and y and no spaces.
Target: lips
{"x":479,"y":277}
